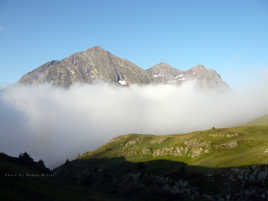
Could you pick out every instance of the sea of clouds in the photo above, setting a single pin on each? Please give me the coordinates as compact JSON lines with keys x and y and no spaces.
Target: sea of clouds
{"x":54,"y":124}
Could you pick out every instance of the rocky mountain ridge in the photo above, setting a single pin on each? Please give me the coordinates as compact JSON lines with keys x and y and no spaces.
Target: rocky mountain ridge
{"x":205,"y":78}
{"x":98,"y":64}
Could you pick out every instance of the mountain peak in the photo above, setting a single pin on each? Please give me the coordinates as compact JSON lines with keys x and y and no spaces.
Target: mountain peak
{"x":96,"y":49}
{"x":199,"y":67}
{"x":163,"y":72}
{"x":163,"y":65}
{"x":87,"y":66}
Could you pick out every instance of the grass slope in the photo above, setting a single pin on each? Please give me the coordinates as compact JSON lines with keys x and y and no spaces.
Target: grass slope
{"x":226,"y":147}
{"x":262,"y":121}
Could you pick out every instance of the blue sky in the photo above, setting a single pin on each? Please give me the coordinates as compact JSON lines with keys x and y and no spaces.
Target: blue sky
{"x":228,"y":36}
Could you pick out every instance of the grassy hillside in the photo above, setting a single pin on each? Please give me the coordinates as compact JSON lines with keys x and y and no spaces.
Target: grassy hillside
{"x":262,"y":121}
{"x":201,"y":165}
{"x":228,"y":164}
{"x":227,"y":147}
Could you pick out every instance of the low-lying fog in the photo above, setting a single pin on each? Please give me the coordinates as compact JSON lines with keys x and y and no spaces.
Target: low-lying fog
{"x":54,"y":124}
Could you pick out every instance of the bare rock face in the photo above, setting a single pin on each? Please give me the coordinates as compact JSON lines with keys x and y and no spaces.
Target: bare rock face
{"x":164,"y":73}
{"x":85,"y":67}
{"x":205,"y":78}
{"x":98,"y":64}
{"x":37,"y":75}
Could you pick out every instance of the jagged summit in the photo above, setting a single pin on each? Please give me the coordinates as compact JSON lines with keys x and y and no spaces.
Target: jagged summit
{"x":97,"y":63}
{"x":96,"y":49}
{"x":204,"y":77}
{"x":199,"y":67}
{"x":165,"y":67}
{"x":162,"y":65}
{"x":163,"y":73}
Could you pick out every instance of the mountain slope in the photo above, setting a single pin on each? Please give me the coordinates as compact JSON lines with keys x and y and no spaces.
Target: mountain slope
{"x":24,"y":164}
{"x":163,"y":73}
{"x":23,"y":179}
{"x":262,"y":121}
{"x":205,"y":78}
{"x":218,"y":164}
{"x":85,"y":67}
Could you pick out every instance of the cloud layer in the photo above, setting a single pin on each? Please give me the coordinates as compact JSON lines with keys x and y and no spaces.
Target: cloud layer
{"x":55,"y":124}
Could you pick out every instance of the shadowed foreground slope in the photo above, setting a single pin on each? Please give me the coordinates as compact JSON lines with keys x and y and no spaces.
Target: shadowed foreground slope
{"x":22,"y":179}
{"x":217,"y":164}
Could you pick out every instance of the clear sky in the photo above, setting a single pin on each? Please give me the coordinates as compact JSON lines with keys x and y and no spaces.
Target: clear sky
{"x":230,"y":36}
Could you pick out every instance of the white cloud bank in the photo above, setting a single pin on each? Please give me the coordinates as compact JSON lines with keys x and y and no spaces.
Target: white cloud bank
{"x":55,"y":124}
